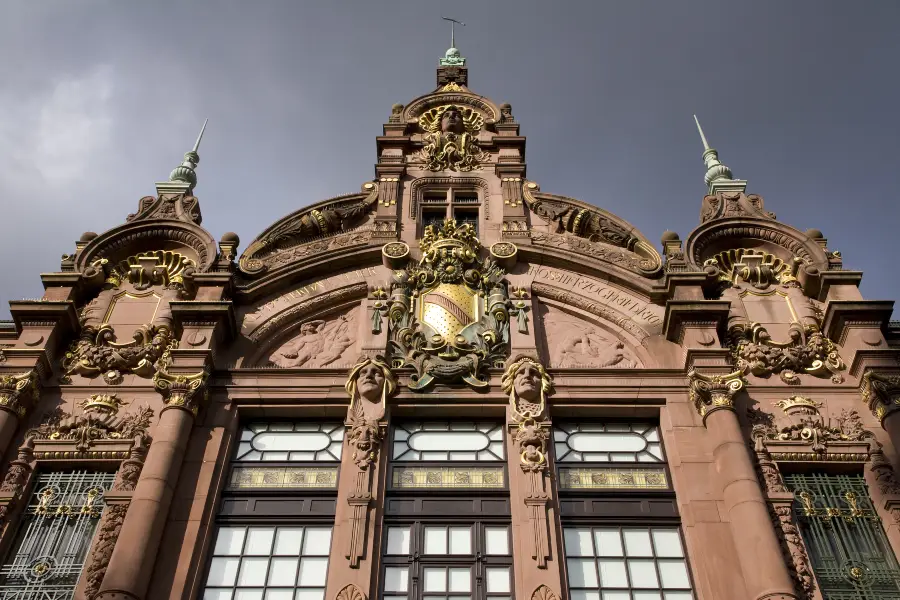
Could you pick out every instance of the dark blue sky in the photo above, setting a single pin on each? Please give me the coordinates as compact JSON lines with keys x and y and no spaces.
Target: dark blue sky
{"x":101,"y":99}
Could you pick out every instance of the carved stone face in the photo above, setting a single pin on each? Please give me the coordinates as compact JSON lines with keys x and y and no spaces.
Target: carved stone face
{"x":527,"y":383}
{"x":370,"y":382}
{"x":452,"y":121}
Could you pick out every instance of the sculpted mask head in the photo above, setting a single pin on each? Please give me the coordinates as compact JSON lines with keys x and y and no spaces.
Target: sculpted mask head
{"x":526,"y":381}
{"x":452,"y":121}
{"x":372,"y":380}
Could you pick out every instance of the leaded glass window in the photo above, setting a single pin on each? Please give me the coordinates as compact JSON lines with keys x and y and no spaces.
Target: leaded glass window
{"x":433,"y":561}
{"x":269,"y":563}
{"x":850,"y":554}
{"x":54,"y":536}
{"x":607,"y":442}
{"x":626,"y":563}
{"x":291,"y":441}
{"x":448,"y":441}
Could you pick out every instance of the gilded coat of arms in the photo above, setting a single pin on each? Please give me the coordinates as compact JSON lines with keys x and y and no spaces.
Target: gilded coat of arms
{"x":449,"y":314}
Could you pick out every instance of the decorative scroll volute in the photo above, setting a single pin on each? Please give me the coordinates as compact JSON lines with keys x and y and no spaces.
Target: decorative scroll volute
{"x":527,"y":383}
{"x":369,"y":385}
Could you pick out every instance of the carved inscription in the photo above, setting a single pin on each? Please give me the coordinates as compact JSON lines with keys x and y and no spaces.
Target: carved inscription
{"x":255,"y":318}
{"x":647,"y":316}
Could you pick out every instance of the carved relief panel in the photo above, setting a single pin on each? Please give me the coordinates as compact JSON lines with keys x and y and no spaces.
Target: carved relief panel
{"x":327,"y":342}
{"x":573,"y":343}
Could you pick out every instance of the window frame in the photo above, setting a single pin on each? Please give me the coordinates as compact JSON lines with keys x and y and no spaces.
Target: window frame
{"x":427,"y":201}
{"x":478,"y":561}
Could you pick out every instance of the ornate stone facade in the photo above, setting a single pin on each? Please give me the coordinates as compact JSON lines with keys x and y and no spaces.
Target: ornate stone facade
{"x":452,"y":294}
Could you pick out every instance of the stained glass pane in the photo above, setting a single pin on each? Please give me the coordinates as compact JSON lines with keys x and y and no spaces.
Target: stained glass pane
{"x":291,"y":441}
{"x":607,"y":442}
{"x":448,"y":441}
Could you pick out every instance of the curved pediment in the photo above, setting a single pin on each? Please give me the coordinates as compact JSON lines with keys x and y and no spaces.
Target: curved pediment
{"x":451,"y":93}
{"x":578,"y":227}
{"x":335,"y":224}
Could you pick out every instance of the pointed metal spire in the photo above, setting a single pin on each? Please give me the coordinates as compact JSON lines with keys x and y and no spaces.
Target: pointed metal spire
{"x":715,"y":170}
{"x":185,"y":171}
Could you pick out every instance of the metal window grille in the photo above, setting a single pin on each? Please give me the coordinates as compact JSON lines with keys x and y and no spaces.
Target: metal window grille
{"x":54,"y":536}
{"x":467,"y":217}
{"x":465,"y":199}
{"x":851,"y":556}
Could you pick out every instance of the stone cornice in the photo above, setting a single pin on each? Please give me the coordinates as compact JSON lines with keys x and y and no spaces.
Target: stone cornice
{"x":37,"y":311}
{"x":215,"y":312}
{"x":839,"y":312}
{"x":681,"y":313}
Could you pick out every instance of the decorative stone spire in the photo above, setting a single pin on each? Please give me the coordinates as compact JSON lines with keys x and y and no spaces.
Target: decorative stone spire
{"x":718,"y":176}
{"x":185,"y":171}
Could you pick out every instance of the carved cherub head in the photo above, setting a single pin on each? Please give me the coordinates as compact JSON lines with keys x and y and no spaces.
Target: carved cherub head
{"x":371,"y":379}
{"x":526,"y":381}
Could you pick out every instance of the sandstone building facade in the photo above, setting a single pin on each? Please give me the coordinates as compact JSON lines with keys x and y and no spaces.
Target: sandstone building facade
{"x":450,"y":385}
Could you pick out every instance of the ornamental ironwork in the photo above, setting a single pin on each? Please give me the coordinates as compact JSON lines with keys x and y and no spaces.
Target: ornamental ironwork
{"x":851,"y":556}
{"x":54,"y":536}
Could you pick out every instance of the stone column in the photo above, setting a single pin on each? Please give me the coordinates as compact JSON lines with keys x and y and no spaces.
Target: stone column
{"x":131,"y":564}
{"x":766,"y":576}
{"x":17,"y":394}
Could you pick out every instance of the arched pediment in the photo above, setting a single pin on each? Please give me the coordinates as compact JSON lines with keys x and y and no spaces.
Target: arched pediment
{"x":332,"y":226}
{"x":573,"y":340}
{"x":751,"y":233}
{"x":118,"y":244}
{"x":451,"y":94}
{"x":580,"y":228}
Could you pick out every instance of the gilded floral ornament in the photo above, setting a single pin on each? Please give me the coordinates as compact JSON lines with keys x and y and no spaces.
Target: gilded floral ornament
{"x":97,"y":352}
{"x":186,"y":392}
{"x":807,"y":351}
{"x":807,"y":426}
{"x":451,"y":133}
{"x":19,"y":392}
{"x":449,"y":315}
{"x":881,"y":393}
{"x":710,"y":393}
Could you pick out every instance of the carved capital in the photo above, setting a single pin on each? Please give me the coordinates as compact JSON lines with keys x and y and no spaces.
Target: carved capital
{"x":186,"y":392}
{"x":881,"y":393}
{"x":710,"y":393}
{"x":19,"y":392}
